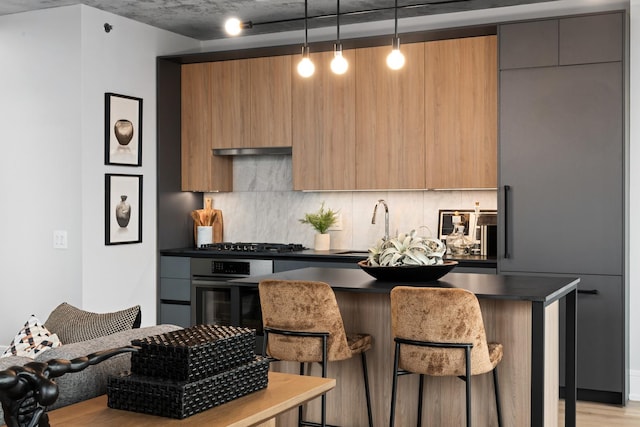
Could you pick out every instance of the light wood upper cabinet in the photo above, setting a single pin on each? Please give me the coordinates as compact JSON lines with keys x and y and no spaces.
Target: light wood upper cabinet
{"x":231,"y":101}
{"x":270,"y":101}
{"x":201,"y":171}
{"x":390,"y":132}
{"x":251,"y":102}
{"x":323,"y":126}
{"x":461,"y":113}
{"x":431,"y":124}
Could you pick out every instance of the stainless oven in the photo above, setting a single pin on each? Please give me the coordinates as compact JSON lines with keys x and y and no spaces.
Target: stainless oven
{"x":216,"y":301}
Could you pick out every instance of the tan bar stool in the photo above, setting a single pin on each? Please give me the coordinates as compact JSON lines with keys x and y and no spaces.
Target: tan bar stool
{"x":302,"y":323}
{"x":440,"y":332}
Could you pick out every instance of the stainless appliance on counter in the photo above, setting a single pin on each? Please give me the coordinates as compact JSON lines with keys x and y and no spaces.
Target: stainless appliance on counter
{"x":214,"y":300}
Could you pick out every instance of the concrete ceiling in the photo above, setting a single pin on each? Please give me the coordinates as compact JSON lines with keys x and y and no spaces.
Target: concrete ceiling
{"x":203,"y":19}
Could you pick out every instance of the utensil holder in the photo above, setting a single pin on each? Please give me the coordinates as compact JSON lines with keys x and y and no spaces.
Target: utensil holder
{"x":204,"y":235}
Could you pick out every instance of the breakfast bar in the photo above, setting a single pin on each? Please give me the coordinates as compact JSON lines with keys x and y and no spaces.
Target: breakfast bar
{"x":521,"y":312}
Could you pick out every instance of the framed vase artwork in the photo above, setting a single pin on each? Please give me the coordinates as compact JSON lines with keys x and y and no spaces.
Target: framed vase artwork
{"x":123,"y":209}
{"x":123,"y":130}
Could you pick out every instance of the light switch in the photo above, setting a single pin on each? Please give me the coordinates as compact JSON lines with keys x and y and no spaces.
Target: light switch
{"x":60,"y":239}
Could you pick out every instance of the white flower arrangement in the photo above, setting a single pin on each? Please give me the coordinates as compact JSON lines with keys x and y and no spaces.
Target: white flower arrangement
{"x":406,"y":250}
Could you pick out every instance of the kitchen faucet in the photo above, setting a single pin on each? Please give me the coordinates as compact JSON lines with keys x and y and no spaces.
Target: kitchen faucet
{"x":386,"y":217}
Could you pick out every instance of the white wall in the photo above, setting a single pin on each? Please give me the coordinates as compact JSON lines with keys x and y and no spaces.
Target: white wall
{"x":122,"y":61}
{"x":56,"y":65}
{"x":40,"y":168}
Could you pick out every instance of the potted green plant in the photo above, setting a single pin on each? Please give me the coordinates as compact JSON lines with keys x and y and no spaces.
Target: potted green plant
{"x":321,"y":220}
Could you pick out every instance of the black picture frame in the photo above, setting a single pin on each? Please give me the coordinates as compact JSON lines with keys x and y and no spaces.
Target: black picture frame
{"x":123,"y":193}
{"x":122,"y":130}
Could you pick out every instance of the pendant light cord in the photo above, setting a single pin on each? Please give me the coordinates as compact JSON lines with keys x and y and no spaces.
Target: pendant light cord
{"x":338,"y":22}
{"x":396,"y":26}
{"x":305,"y":23}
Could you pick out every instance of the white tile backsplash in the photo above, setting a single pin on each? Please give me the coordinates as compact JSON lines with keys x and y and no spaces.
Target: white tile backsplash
{"x":264,"y":208}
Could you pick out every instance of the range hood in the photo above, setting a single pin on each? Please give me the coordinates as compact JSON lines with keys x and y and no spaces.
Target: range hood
{"x":258,"y":151}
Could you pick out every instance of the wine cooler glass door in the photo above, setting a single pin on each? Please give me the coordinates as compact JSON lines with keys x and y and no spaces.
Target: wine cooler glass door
{"x":213,"y":304}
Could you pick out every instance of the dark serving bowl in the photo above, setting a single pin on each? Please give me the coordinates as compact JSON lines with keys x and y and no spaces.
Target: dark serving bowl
{"x":408,"y":273}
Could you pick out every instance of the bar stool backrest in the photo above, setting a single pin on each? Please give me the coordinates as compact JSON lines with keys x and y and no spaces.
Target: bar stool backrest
{"x":302,"y":306}
{"x":439,"y":315}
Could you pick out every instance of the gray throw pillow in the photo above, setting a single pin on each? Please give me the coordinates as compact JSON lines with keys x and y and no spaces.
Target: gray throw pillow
{"x":72,"y":324}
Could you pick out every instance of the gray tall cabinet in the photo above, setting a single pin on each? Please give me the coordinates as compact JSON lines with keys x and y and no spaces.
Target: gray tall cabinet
{"x":562,"y":177}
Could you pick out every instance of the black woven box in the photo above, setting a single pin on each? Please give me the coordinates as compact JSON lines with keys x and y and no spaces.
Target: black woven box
{"x":193,"y":353}
{"x":180,"y":399}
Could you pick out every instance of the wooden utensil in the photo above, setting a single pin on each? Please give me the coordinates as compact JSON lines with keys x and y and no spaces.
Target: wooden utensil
{"x":196,"y":218}
{"x":207,"y":215}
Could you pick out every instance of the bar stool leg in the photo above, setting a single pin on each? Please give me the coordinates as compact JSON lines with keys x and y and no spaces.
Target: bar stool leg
{"x":394,"y":387}
{"x":468,"y":383}
{"x":324,"y":375}
{"x":365,"y":372}
{"x":420,"y":393}
{"x":300,"y":407}
{"x":497,"y":391}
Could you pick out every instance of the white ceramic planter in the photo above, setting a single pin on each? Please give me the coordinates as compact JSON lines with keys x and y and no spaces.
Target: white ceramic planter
{"x":322,"y":242}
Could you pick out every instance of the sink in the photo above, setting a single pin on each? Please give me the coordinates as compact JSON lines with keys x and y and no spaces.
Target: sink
{"x":358,"y":253}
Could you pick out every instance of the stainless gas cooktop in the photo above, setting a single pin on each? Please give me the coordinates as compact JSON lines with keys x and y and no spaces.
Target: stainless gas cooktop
{"x":253,"y":247}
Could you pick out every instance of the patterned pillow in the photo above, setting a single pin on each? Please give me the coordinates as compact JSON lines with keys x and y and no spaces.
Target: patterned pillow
{"x":74,"y":325}
{"x":32,"y":340}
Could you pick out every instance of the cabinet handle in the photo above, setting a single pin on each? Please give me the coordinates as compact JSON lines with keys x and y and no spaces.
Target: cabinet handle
{"x":589,"y":291}
{"x":507,"y":191}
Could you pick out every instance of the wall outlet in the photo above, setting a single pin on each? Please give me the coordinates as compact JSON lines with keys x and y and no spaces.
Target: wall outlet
{"x":59,"y":239}
{"x":338,"y":225}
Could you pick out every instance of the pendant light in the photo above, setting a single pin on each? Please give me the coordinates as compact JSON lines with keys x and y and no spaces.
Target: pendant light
{"x":395,"y":60}
{"x":305,"y":66}
{"x":339,"y":64}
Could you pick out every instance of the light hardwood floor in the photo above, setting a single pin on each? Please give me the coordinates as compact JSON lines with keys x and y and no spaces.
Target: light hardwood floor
{"x":599,"y":415}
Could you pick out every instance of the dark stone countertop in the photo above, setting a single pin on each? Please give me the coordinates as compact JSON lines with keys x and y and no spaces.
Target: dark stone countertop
{"x":490,"y":286}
